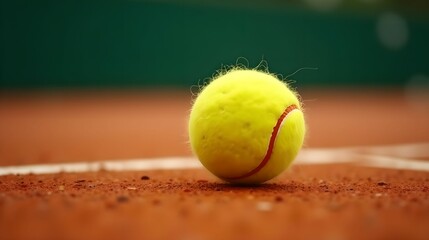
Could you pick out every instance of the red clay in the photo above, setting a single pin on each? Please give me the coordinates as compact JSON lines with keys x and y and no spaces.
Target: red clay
{"x":307,"y":202}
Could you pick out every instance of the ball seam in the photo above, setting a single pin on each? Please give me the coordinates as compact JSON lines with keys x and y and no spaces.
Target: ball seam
{"x":271,"y":143}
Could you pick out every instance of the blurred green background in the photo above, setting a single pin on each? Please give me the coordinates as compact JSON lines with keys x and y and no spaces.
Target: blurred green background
{"x":136,"y":43}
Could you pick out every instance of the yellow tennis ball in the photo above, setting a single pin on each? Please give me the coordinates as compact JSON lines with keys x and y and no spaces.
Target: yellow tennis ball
{"x":246,"y":126}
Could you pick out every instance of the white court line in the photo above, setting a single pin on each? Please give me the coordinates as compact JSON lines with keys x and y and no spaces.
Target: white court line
{"x":395,"y":163}
{"x":170,"y":163}
{"x":411,"y":150}
{"x":365,"y":156}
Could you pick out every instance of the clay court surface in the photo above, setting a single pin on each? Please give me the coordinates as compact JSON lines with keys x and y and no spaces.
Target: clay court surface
{"x":363,"y":173}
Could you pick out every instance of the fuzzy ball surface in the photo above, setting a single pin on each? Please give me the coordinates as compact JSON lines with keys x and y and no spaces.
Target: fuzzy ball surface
{"x":246,"y":126}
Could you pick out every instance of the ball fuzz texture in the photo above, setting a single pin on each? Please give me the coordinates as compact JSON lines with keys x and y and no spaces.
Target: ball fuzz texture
{"x":246,"y":126}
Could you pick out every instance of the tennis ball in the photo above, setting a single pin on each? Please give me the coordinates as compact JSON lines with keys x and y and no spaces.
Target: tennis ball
{"x":246,"y":126}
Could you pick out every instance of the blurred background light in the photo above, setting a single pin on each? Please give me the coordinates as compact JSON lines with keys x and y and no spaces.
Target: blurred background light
{"x":392,"y":30}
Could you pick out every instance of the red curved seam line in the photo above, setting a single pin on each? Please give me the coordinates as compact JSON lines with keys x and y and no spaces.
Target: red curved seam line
{"x":270,"y":145}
